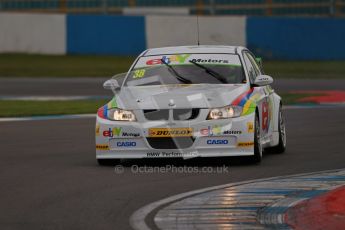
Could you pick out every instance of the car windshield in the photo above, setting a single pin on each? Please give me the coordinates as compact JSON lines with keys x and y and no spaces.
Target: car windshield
{"x":186,"y":69}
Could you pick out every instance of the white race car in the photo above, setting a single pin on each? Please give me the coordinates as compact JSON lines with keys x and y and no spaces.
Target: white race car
{"x":191,"y":101}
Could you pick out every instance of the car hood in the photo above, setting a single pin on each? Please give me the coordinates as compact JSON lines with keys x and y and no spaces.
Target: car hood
{"x":178,"y":96}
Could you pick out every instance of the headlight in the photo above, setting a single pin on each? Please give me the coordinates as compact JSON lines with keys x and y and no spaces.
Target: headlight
{"x":121,"y":115}
{"x":224,"y":112}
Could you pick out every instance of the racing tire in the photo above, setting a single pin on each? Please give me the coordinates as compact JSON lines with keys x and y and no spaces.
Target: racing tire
{"x":108,"y":162}
{"x":280,"y":148}
{"x":258,"y":150}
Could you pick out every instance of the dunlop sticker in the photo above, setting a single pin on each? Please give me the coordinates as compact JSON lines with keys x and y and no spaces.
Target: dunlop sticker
{"x":170,"y":132}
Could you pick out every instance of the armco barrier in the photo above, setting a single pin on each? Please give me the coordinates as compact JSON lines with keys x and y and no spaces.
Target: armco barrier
{"x":297,"y":38}
{"x":182,"y":30}
{"x":32,"y":33}
{"x":99,"y":34}
{"x":271,"y":38}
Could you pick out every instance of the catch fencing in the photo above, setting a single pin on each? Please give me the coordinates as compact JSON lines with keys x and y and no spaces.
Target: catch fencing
{"x":322,"y":8}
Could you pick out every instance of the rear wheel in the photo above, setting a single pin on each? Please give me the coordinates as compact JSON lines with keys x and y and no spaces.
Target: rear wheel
{"x":280,"y":148}
{"x":257,"y":142}
{"x":108,"y":162}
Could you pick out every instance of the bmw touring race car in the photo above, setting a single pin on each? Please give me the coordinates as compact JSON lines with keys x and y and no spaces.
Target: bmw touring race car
{"x":191,"y":101}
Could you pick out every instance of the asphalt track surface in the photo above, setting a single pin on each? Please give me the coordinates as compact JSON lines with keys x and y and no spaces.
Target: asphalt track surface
{"x":50,"y":179}
{"x":93,"y":86}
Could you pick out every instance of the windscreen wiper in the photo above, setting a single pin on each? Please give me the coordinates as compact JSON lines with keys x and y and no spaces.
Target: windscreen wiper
{"x":211,"y":72}
{"x":176,"y":74}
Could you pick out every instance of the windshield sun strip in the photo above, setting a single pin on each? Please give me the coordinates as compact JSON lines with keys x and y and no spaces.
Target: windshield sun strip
{"x":186,"y":64}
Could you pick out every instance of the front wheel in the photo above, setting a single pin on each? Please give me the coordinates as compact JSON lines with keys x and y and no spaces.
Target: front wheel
{"x":280,"y":148}
{"x":257,"y":142}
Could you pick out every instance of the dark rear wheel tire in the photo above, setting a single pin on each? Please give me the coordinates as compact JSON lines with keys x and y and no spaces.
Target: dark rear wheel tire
{"x":108,"y":162}
{"x":257,"y":142}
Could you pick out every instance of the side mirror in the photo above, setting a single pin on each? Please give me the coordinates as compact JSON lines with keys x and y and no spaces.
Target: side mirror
{"x":111,"y":84}
{"x":263,"y":80}
{"x":115,"y":82}
{"x":120,"y":77}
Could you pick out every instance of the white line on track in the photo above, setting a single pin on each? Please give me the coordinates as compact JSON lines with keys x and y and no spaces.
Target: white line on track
{"x":52,"y":117}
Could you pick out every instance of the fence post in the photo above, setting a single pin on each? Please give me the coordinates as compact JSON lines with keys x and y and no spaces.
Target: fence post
{"x":332,"y":8}
{"x":199,"y":7}
{"x":63,"y":6}
{"x":105,"y":6}
{"x":131,"y":3}
{"x":269,"y":7}
{"x":337,"y":8}
{"x":212,"y":7}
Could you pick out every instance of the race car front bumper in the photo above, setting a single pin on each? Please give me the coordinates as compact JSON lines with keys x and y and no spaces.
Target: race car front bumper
{"x":208,"y":138}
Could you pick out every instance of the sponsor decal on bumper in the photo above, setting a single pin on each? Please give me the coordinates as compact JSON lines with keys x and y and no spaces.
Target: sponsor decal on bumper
{"x":245,"y":144}
{"x":250,"y":127}
{"x":217,"y":142}
{"x":119,"y":132}
{"x":126,"y":144}
{"x":102,"y":147}
{"x":172,"y":154}
{"x":170,"y":132}
{"x":218,"y":130}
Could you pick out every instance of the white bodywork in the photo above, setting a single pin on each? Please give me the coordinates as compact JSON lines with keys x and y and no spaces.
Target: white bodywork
{"x":209,"y":138}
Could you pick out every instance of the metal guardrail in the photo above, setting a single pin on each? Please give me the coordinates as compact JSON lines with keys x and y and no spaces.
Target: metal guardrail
{"x":334,"y":8}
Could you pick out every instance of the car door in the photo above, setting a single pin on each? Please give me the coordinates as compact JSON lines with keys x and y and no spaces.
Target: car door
{"x":265,"y":102}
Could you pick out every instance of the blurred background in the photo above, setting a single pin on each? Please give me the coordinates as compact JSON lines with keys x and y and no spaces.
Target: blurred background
{"x":53,"y":41}
{"x":273,"y":29}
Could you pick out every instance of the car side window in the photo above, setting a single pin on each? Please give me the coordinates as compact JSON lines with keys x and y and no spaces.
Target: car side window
{"x":255,"y":64}
{"x":250,"y":68}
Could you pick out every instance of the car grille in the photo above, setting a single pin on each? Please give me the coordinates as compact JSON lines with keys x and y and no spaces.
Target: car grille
{"x":170,"y":142}
{"x":154,"y":115}
{"x":185,"y":114}
{"x":178,"y":114}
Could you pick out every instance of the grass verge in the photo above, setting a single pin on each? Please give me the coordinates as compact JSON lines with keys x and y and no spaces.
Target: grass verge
{"x":305,"y":69}
{"x":25,"y":65}
{"x":41,"y":108}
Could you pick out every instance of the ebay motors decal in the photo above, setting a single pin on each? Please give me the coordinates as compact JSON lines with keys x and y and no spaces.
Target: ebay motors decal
{"x":119,"y":132}
{"x":168,"y":59}
{"x":181,"y":59}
